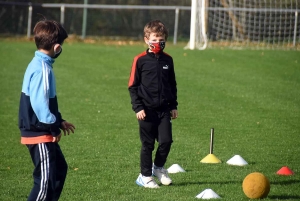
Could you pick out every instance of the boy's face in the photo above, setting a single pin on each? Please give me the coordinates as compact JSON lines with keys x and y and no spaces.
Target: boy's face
{"x":153,"y":40}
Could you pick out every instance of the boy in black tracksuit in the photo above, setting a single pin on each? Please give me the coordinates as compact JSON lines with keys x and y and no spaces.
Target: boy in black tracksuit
{"x":153,"y":92}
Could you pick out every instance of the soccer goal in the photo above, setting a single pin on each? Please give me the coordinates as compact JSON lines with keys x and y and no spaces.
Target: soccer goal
{"x":255,"y":24}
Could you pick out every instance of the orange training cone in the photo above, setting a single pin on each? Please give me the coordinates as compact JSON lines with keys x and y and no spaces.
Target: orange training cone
{"x":285,"y":171}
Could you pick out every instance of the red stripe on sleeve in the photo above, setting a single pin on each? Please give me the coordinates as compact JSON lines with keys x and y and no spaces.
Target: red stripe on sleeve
{"x":133,"y":69}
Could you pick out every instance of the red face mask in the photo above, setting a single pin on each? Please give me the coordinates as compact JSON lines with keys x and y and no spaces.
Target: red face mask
{"x":157,"y":47}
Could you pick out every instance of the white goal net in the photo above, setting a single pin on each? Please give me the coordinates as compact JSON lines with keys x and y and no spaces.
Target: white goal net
{"x":255,"y":24}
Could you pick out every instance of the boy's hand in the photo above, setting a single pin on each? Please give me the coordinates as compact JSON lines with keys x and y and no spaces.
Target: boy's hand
{"x":57,"y":138}
{"x":67,"y":127}
{"x":174,"y":114}
{"x":141,"y":115}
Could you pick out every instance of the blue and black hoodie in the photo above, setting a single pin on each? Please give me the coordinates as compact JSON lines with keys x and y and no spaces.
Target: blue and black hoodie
{"x":39,"y":118}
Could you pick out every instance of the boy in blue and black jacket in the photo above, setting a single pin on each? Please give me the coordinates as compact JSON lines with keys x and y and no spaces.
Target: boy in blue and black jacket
{"x":40,"y":121}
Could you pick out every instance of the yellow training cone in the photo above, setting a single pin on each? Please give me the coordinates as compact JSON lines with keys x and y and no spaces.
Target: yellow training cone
{"x":210,"y":158}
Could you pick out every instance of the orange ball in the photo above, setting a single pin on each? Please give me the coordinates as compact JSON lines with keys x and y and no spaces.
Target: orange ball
{"x":256,"y":185}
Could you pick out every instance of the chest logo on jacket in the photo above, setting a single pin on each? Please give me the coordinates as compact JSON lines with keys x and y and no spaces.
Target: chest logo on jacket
{"x":166,"y":67}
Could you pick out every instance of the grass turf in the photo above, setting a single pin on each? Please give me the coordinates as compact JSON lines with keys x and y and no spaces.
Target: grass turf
{"x":250,"y":98}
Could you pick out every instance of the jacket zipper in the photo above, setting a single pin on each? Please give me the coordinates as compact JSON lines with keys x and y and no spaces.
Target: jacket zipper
{"x":159,"y":82}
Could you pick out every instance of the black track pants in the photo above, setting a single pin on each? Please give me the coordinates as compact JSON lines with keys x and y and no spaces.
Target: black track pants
{"x":156,"y":126}
{"x":49,"y":173}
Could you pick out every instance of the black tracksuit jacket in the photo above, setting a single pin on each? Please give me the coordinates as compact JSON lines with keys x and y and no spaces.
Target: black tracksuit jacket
{"x":152,"y":82}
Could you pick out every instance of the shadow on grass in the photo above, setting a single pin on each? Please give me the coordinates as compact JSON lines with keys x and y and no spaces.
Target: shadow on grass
{"x":285,"y":182}
{"x":201,"y":183}
{"x":235,"y":182}
{"x":284,"y":197}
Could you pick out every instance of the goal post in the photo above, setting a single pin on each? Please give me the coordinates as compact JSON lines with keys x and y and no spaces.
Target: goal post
{"x":198,"y":37}
{"x":240,"y":24}
{"x":193,"y":24}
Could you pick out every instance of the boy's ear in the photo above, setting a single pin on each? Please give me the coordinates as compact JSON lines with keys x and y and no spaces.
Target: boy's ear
{"x":146,"y":40}
{"x":56,"y":47}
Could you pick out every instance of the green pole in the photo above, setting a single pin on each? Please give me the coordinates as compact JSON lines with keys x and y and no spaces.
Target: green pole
{"x":84,"y":19}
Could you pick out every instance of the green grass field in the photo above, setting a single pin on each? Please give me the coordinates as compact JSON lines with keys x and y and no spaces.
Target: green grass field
{"x":250,"y":98}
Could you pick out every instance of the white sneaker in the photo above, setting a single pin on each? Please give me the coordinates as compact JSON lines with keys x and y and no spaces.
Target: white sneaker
{"x":162,"y":175}
{"x":147,"y":182}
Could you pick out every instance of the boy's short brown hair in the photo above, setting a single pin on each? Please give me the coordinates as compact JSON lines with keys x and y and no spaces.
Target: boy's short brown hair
{"x":48,"y":33}
{"x":155,"y":26}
